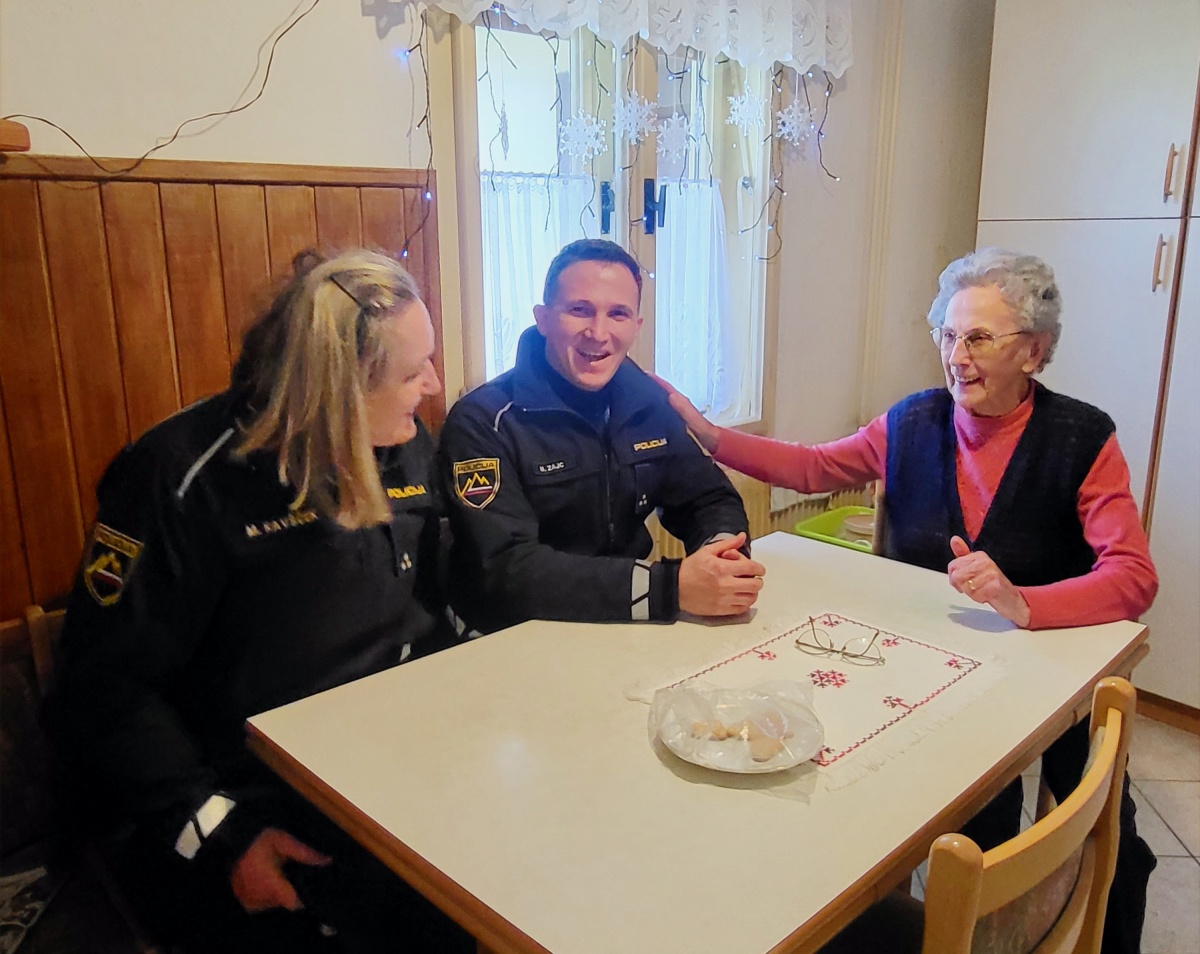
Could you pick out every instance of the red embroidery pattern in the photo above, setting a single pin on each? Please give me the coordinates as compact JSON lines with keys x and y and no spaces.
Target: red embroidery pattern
{"x":827,"y":678}
{"x":963,"y":666}
{"x":825,"y":756}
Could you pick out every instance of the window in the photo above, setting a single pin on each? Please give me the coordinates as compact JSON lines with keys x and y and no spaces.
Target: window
{"x":549,"y":154}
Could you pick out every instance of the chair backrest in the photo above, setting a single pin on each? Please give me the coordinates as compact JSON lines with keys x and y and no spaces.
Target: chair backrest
{"x":1077,"y":841}
{"x":879,"y":534}
{"x":44,"y":631}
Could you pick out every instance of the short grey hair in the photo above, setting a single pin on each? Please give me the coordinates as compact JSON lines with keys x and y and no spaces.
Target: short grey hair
{"x":1025,"y":282}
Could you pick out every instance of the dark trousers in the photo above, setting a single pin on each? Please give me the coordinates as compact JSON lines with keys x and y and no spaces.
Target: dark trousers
{"x":355,"y":905}
{"x":1062,"y":767}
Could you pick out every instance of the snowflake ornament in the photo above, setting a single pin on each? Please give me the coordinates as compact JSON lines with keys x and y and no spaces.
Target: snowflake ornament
{"x":746,"y":111}
{"x":633,"y":119}
{"x":582,"y":136}
{"x":794,"y":123}
{"x":673,"y":137}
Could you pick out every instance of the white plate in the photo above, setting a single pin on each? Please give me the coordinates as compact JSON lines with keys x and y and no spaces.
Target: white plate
{"x":691,"y":719}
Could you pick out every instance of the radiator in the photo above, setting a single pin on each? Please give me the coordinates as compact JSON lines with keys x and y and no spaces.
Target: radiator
{"x":756,"y":496}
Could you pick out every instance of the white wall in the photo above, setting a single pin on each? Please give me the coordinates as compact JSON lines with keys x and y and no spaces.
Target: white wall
{"x":120,"y":74}
{"x":861,"y":256}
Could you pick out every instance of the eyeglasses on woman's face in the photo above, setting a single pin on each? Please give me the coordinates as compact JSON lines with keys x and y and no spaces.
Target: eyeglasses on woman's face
{"x":978,"y":343}
{"x":859,"y":650}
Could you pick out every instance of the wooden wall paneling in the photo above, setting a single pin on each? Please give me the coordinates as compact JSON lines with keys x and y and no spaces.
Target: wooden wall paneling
{"x":291,"y":226}
{"x":81,"y":290}
{"x":339,"y":219}
{"x":383,"y":219}
{"x":202,"y":346}
{"x":192,"y":170}
{"x":420,"y":216}
{"x":141,"y":302}
{"x":15,"y":591}
{"x":38,"y":434}
{"x":245,"y":266}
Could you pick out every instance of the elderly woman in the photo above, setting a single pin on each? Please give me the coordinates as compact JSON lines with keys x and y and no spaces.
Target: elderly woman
{"x":270,"y":542}
{"x":1020,"y":495}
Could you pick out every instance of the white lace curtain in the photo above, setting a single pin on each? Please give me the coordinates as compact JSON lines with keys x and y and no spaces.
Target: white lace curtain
{"x":802,"y":34}
{"x":699,"y":338}
{"x":526,"y":220}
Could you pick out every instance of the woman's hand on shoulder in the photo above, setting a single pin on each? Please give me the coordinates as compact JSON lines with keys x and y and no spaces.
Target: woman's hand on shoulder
{"x":709,"y":435}
{"x":975,"y":574}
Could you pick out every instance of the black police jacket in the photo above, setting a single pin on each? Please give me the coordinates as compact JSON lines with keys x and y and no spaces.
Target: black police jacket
{"x":204,"y":598}
{"x":548,"y":510}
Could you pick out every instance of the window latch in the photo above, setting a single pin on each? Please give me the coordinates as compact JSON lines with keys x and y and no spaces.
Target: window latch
{"x":607,"y":204}
{"x":654,"y":209}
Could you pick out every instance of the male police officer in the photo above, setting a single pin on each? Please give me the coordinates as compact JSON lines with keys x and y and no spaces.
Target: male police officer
{"x":552,"y":468}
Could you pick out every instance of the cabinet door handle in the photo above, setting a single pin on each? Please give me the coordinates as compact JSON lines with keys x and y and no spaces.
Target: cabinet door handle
{"x":1155,"y":281}
{"x":1169,"y":175}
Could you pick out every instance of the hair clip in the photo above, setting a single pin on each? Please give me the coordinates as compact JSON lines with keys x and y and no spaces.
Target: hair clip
{"x":349,"y":294}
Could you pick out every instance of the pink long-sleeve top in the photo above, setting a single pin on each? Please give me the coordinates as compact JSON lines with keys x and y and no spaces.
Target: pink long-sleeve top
{"x":1122,"y":582}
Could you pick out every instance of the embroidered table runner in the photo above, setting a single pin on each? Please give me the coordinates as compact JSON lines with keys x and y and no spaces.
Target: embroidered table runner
{"x":870,"y":712}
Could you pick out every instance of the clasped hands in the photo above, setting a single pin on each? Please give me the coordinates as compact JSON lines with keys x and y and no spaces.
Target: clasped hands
{"x":720,"y":580}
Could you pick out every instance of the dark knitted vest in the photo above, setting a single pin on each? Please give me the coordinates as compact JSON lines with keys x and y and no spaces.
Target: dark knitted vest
{"x":1032,"y":528}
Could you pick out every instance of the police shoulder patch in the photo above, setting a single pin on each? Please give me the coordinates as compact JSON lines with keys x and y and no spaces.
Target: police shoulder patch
{"x":110,"y":560}
{"x":476,"y":481}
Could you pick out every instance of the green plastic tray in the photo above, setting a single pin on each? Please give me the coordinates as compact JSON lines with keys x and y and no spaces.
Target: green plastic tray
{"x":827,"y":527}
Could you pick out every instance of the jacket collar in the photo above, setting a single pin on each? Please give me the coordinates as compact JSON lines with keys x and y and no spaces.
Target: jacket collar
{"x":630,"y":391}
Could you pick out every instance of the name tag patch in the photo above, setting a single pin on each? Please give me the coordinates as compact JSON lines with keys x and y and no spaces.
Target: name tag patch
{"x":552,"y":468}
{"x":403,"y":493}
{"x":297,"y":518}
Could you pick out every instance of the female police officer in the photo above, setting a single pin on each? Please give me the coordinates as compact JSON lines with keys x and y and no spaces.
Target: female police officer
{"x":265,"y":544}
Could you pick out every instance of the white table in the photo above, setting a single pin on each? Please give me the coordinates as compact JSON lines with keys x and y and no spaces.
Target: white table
{"x":512,"y":782}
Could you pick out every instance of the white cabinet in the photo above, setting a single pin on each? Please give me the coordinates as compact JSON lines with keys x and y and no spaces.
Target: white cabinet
{"x":1113,"y":323}
{"x":1173,"y":666}
{"x":1087,"y":98}
{"x":1090,"y":111}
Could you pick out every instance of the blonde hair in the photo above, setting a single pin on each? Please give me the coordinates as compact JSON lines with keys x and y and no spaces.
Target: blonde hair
{"x":306,"y":365}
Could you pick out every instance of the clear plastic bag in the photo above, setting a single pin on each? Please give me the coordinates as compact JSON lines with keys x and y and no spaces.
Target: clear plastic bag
{"x":762,"y":728}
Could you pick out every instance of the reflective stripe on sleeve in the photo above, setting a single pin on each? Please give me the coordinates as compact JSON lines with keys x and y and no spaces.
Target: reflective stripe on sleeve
{"x":202,"y":824}
{"x":460,"y":625}
{"x":639,"y":591}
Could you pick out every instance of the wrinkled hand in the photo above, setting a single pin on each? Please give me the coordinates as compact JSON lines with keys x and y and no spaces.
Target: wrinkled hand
{"x":975,"y":574}
{"x":257,"y":878}
{"x":707,"y":434}
{"x":718,"y":580}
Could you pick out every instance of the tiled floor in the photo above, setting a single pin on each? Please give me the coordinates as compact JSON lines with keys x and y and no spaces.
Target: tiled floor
{"x":1164,"y":764}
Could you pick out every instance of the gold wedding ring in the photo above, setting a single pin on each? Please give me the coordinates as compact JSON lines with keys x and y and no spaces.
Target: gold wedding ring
{"x":971,"y":585}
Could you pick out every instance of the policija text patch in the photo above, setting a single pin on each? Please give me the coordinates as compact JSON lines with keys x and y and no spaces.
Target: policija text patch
{"x":476,"y":481}
{"x":109,"y":563}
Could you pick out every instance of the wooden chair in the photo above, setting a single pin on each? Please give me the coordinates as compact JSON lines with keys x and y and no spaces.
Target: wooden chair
{"x":879,"y":536}
{"x":44,"y":631}
{"x":1043,"y":892}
